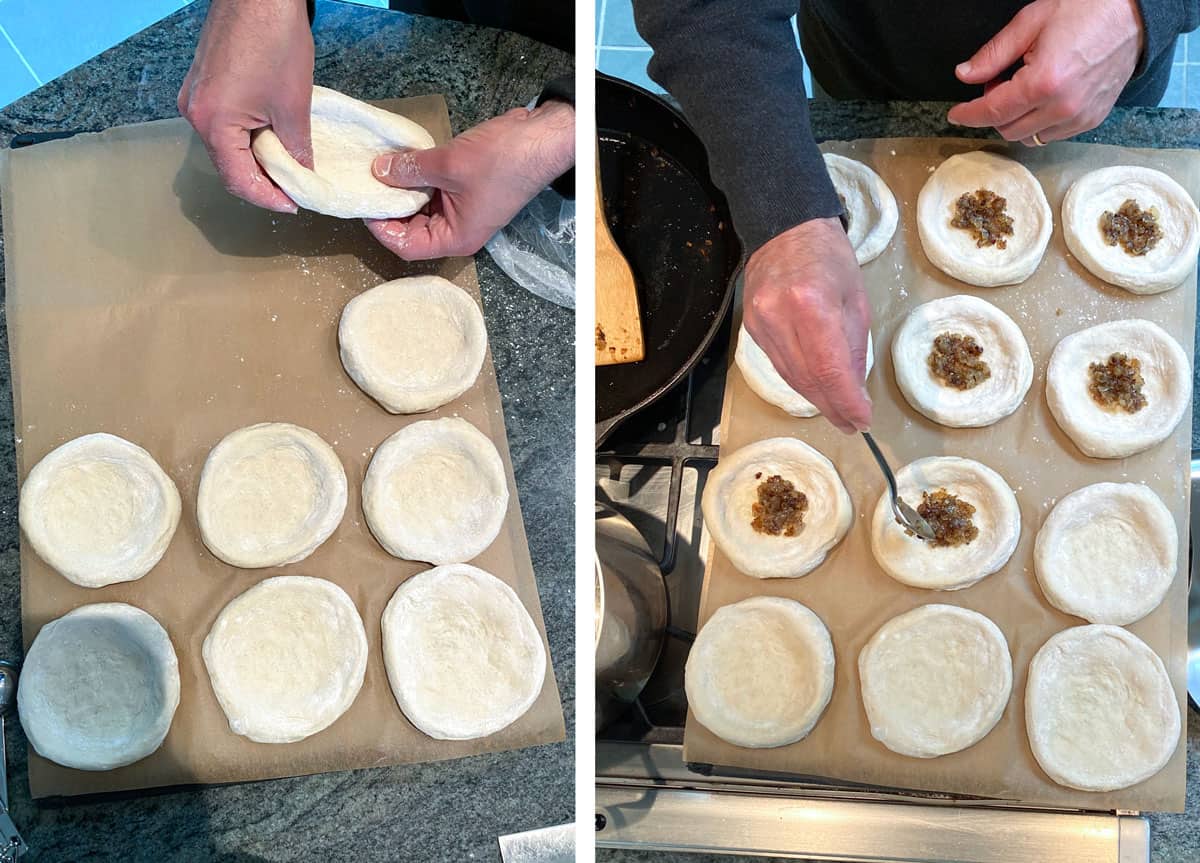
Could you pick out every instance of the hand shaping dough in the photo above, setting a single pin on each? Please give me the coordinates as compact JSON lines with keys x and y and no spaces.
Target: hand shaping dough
{"x":871,"y":214}
{"x":1113,"y":432}
{"x":413,"y":344}
{"x":768,"y":384}
{"x":1167,"y":263}
{"x":347,"y":135}
{"x":1107,"y":553}
{"x":436,"y":491}
{"x":733,"y":491}
{"x":269,"y":495}
{"x":286,"y":658}
{"x":99,"y":510}
{"x":463,"y":656}
{"x":760,"y":673}
{"x":954,"y":250}
{"x":1099,"y":709}
{"x":99,"y":687}
{"x":935,"y":680}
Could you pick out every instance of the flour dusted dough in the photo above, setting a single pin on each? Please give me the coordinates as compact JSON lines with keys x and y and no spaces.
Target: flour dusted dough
{"x":99,"y":510}
{"x":269,"y":495}
{"x":347,"y":135}
{"x":732,"y":491}
{"x":463,"y":656}
{"x":1107,"y":553}
{"x":413,"y":344}
{"x":871,"y":214}
{"x":286,"y":658}
{"x":953,"y":250}
{"x":1102,"y":432}
{"x":99,"y":687}
{"x":1099,"y":709}
{"x":1161,"y":268}
{"x":935,"y":680}
{"x":760,"y":673}
{"x":768,"y":384}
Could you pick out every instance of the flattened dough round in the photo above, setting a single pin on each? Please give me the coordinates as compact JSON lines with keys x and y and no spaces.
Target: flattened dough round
{"x":760,"y":673}
{"x":436,"y":491}
{"x":1107,"y":553}
{"x":918,"y":563}
{"x":871,"y":213}
{"x":1099,"y":709}
{"x":732,"y":491}
{"x":1163,"y":267}
{"x":286,"y":658}
{"x":935,"y":680}
{"x":347,"y":135}
{"x":463,"y":656}
{"x":99,"y":510}
{"x":413,"y":344}
{"x":269,"y":495}
{"x":953,"y":250}
{"x":99,"y":687}
{"x":1105,"y":433}
{"x":768,"y":384}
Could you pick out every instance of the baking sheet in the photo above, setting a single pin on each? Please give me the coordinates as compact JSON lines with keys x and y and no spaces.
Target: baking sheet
{"x":855,"y":597}
{"x":144,"y":301}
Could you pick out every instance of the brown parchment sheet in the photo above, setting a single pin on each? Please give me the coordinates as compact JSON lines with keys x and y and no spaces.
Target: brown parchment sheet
{"x":849,"y":590}
{"x":145,"y":301}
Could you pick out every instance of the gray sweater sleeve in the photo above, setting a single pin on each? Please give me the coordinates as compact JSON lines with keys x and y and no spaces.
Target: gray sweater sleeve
{"x":1164,"y":20}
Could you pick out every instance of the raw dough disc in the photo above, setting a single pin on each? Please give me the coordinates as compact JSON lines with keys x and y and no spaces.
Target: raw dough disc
{"x":436,"y":491}
{"x":1163,"y":267}
{"x":953,"y":250}
{"x":463,"y":656}
{"x":732,"y":491}
{"x":269,"y":495}
{"x":1107,"y":553}
{"x":1004,"y":350}
{"x":918,"y":563}
{"x":1099,"y":709}
{"x":413,"y":344}
{"x":99,"y":687}
{"x":286,"y":658}
{"x":871,"y":213}
{"x":768,"y":384}
{"x":347,"y":135}
{"x":935,"y":680}
{"x":760,"y":673}
{"x":1099,"y":431}
{"x":99,"y":510}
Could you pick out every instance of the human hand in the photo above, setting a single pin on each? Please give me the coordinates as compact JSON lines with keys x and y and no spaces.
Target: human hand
{"x":806,"y":308}
{"x":253,"y":68}
{"x":1078,"y":58}
{"x":479,"y":181}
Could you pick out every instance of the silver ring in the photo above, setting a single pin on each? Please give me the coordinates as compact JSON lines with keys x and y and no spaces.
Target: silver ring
{"x":1038,"y":141}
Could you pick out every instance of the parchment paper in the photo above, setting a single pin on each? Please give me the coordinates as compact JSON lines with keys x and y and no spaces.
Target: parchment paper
{"x":855,"y":597}
{"x":145,"y":301}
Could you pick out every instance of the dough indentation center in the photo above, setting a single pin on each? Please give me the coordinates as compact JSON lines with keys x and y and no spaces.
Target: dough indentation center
{"x":1136,"y":230}
{"x":1117,"y":383}
{"x":949,"y":516}
{"x":780,"y":508}
{"x":982,"y":213}
{"x":955,"y":361}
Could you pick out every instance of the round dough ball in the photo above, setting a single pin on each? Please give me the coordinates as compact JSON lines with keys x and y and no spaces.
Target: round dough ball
{"x":732,"y":492}
{"x":935,"y":680}
{"x":99,"y":510}
{"x":1161,"y":268}
{"x":99,"y":687}
{"x":269,"y":495}
{"x":919,"y":563}
{"x":347,"y":135}
{"x":463,"y":656}
{"x":768,"y":384}
{"x":286,"y":658}
{"x":871,"y":213}
{"x":413,"y":344}
{"x":1099,"y":709}
{"x":436,"y":491}
{"x":760,"y":673}
{"x":1103,"y":432}
{"x":953,"y":250}
{"x":1107,"y":553}
{"x":1004,"y":350}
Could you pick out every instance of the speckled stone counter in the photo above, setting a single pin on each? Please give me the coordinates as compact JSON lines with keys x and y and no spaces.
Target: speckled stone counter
{"x":450,"y":811}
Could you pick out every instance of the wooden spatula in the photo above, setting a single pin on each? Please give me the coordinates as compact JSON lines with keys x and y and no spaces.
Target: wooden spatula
{"x":618,"y":319}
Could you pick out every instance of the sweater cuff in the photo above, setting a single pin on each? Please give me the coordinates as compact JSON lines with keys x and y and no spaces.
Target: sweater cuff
{"x":1162,"y":23}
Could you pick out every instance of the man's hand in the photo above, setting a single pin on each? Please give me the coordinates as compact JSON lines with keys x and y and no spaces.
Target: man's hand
{"x":1078,"y":58}
{"x":480,"y":180}
{"x":806,"y":307}
{"x":253,"y":68}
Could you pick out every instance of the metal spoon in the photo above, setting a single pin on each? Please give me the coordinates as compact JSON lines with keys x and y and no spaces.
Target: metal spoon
{"x":11,"y":844}
{"x":908,"y":517}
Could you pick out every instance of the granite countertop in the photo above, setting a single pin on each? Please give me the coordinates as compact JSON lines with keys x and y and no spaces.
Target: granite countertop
{"x":450,"y":811}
